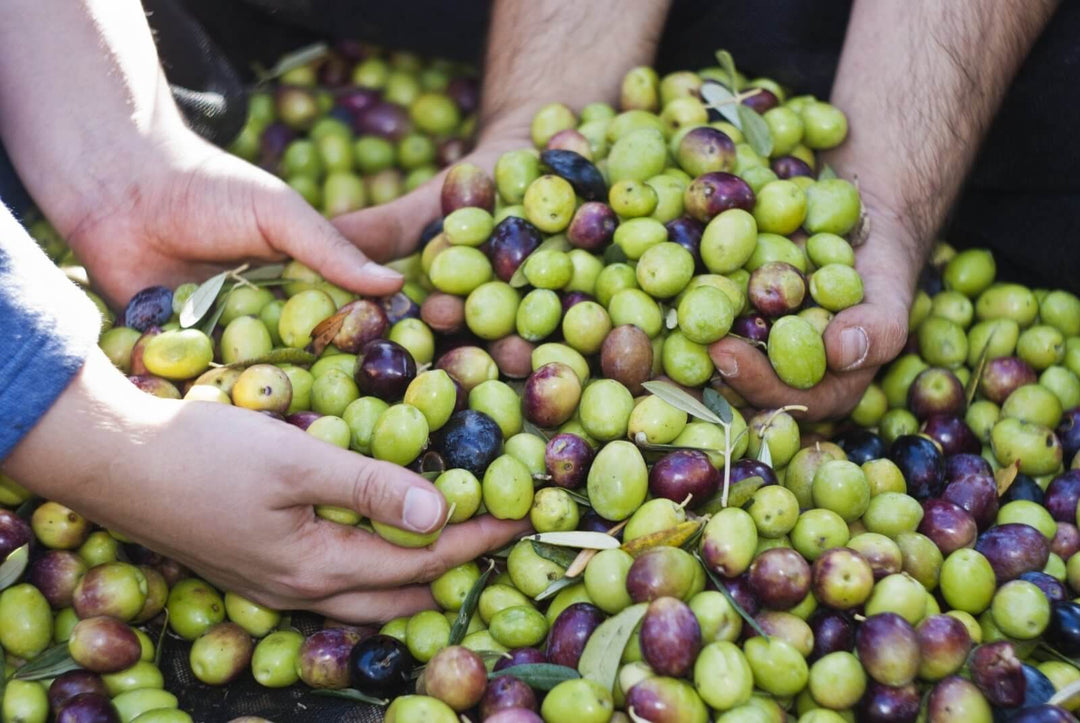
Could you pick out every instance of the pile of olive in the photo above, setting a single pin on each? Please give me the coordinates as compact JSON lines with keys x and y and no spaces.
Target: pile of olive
{"x":917,"y":559}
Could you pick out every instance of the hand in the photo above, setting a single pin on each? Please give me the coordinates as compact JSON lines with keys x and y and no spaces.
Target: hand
{"x":230,"y":494}
{"x":857,"y":341}
{"x":185,"y":210}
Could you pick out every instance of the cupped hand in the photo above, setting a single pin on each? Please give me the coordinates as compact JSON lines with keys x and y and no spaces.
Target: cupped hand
{"x":858,"y":340}
{"x":230,"y":494}
{"x":185,"y":210}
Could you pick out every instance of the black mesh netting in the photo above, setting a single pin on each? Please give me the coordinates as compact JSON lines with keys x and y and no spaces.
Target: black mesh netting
{"x":245,"y":697}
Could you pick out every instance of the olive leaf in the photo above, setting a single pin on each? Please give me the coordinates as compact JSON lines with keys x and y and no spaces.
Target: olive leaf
{"x":270,"y":272}
{"x":468,"y":606}
{"x":756,"y":130}
{"x":1005,"y":476}
{"x":579,"y":497}
{"x":642,"y":442}
{"x":211,"y":322}
{"x":292,"y":61}
{"x":681,"y":400}
{"x":561,"y":556}
{"x":201,"y":300}
{"x":764,"y":453}
{"x":539,"y":676}
{"x":48,"y":664}
{"x":727,"y":63}
{"x":557,"y":585}
{"x":555,"y":243}
{"x":160,"y":647}
{"x":671,"y":537}
{"x":614,"y":254}
{"x":601,"y":657}
{"x":716,"y":404}
{"x":722,"y":101}
{"x":351,"y":694}
{"x":535,"y":431}
{"x":1067,"y":696}
{"x":980,"y":369}
{"x":296,"y":357}
{"x":731,"y":600}
{"x":14,"y":566}
{"x":826,"y":173}
{"x":581,"y":539}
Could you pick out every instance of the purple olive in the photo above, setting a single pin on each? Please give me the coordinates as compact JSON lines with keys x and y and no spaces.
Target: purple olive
{"x":456,"y":676}
{"x":324,"y":658}
{"x":710,"y":194}
{"x":627,"y":357}
{"x":670,"y":636}
{"x":747,"y":468}
{"x":399,"y":306}
{"x":684,"y":473}
{"x":55,"y":574}
{"x":790,"y":167}
{"x":1054,"y":590}
{"x":275,"y":137}
{"x":514,"y":715}
{"x":952,"y":433}
{"x":511,"y":241}
{"x":504,"y":692}
{"x":739,"y":588}
{"x":1068,"y":431}
{"x":568,"y":458}
{"x":761,"y":101}
{"x":780,"y":578}
{"x":977,"y":494}
{"x":705,"y":149}
{"x":888,"y":648}
{"x":1003,"y":375}
{"x":302,"y":419}
{"x":469,"y":440}
{"x":104,"y":645}
{"x":384,"y":119}
{"x":776,"y":288}
{"x":1044,"y":713}
{"x":954,"y":700}
{"x":997,"y":672}
{"x":384,"y":369}
{"x":753,"y":327}
{"x":948,"y":525}
{"x":569,"y":299}
{"x":570,"y":632}
{"x":67,"y":685}
{"x":578,"y":171}
{"x":944,"y":644}
{"x":861,"y":445}
{"x":1013,"y":549}
{"x":660,"y":699}
{"x":687,"y":232}
{"x":592,"y":522}
{"x":935,"y":391}
{"x":465,"y":92}
{"x":886,"y":704}
{"x":14,"y":532}
{"x":1062,"y":496}
{"x":380,"y":665}
{"x":451,"y":150}
{"x":592,"y":226}
{"x":551,"y":395}
{"x":467,"y":185}
{"x":87,"y":708}
{"x":356,"y":100}
{"x":521,"y":656}
{"x":364,"y":320}
{"x":921,"y":463}
{"x":833,"y":630}
{"x":962,"y":465}
{"x":660,"y":572}
{"x":335,"y":71}
{"x":1066,"y":542}
{"x":150,"y":307}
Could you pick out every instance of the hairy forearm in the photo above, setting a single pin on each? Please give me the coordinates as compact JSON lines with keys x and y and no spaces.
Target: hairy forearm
{"x":80,"y":86}
{"x":561,"y":50}
{"x":920,"y":82}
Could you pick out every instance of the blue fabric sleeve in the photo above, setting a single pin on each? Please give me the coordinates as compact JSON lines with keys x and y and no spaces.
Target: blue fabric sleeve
{"x":47,"y":327}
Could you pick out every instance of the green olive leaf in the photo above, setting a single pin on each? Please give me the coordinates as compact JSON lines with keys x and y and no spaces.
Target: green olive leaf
{"x":614,"y":254}
{"x":580,"y":498}
{"x":535,"y":431}
{"x":716,"y":404}
{"x":580,"y":539}
{"x":14,"y":566}
{"x":291,"y":61}
{"x":557,"y":585}
{"x":561,"y":556}
{"x":540,"y":676}
{"x":727,"y":63}
{"x":270,"y":272}
{"x":681,"y":400}
{"x":468,"y":606}
{"x":765,"y":454}
{"x":600,"y":660}
{"x":49,"y":663}
{"x":296,"y":357}
{"x":351,"y":694}
{"x":722,"y":101}
{"x":980,"y":369}
{"x":756,"y":130}
{"x":734,"y":603}
{"x":159,"y":648}
{"x":826,"y":173}
{"x":201,"y":300}
{"x":211,"y":321}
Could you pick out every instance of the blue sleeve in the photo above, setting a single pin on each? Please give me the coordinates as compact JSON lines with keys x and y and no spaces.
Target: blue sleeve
{"x":47,"y":328}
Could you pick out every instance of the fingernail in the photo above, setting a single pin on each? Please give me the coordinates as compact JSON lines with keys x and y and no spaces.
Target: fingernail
{"x":854,"y":345}
{"x":422,"y":511}
{"x":381,"y":272}
{"x":727,"y":365}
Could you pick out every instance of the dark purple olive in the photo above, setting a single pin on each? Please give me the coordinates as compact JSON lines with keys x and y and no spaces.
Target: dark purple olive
{"x":465,"y":92}
{"x":627,"y":357}
{"x":569,"y":299}
{"x":962,"y":465}
{"x":935,"y":391}
{"x":551,"y":395}
{"x":568,"y":458}
{"x":753,"y":327}
{"x":660,"y":699}
{"x":1003,"y":375}
{"x":592,"y":522}
{"x":456,"y":676}
{"x":335,"y":71}
{"x":384,"y":369}
{"x":952,"y":433}
{"x":430,"y":231}
{"x":14,"y":532}
{"x":364,"y":320}
{"x":687,"y":232}
{"x":87,"y":708}
{"x":302,"y":419}
{"x":776,"y":289}
{"x":429,"y":461}
{"x":1023,"y":488}
{"x":659,"y":572}
{"x":503,"y":692}
{"x":570,"y":632}
{"x":861,"y":445}
{"x":384,"y":119}
{"x":790,"y":167}
{"x":746,"y":468}
{"x":451,"y":150}
{"x":324,"y":658}
{"x":710,"y":194}
{"x":521,"y":656}
{"x":1066,"y":542}
{"x":510,"y":242}
{"x":592,"y":226}
{"x":944,"y":644}
{"x":670,"y":637}
{"x":1062,"y":496}
{"x":55,"y":574}
{"x":705,"y":149}
{"x":578,"y":171}
{"x":1013,"y":549}
{"x":399,"y":306}
{"x":67,"y":685}
{"x":833,"y":630}
{"x":948,"y":525}
{"x":976,"y":493}
{"x":952,"y":699}
{"x":272,"y":142}
{"x":1063,"y":632}
{"x":888,"y":704}
{"x":357,"y":100}
{"x":739,"y":587}
{"x":762,"y":100}
{"x":997,"y":672}
{"x":780,"y":578}
{"x":1068,"y":431}
{"x":1053,"y":589}
{"x":888,"y":648}
{"x":467,"y":185}
{"x":150,"y":307}
{"x":921,"y":464}
{"x":1044,"y":713}
{"x":380,"y":666}
{"x":469,"y":440}
{"x":684,"y":473}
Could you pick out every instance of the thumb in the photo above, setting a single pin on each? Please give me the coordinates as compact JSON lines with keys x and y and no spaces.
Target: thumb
{"x":866,"y":336}
{"x":379,"y":490}
{"x":391,"y":230}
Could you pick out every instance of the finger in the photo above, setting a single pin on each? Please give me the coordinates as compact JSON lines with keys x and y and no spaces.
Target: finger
{"x":292,"y":226}
{"x":391,"y":231}
{"x":376,"y":606}
{"x":379,"y":490}
{"x":866,"y":336}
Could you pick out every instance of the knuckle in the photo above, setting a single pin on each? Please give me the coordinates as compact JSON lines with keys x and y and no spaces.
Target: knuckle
{"x":304,"y":586}
{"x":367,"y":493}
